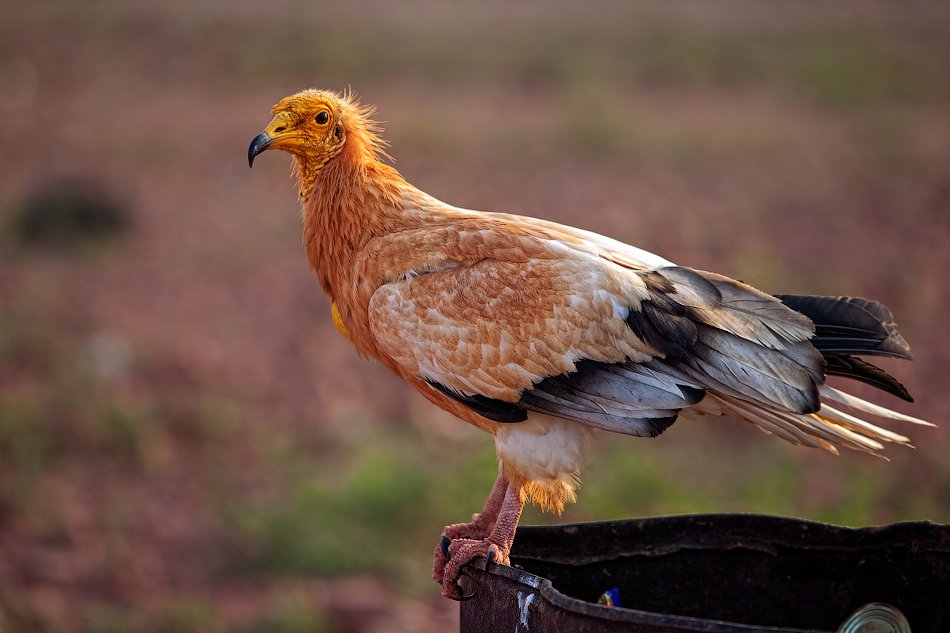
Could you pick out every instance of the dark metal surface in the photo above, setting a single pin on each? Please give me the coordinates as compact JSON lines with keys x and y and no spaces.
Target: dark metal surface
{"x":711,"y":573}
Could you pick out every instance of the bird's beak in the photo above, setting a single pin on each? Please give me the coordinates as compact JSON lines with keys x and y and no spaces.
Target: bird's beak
{"x":260,"y":143}
{"x":277,"y":135}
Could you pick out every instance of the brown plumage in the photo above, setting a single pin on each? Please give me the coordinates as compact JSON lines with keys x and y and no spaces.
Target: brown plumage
{"x":539,"y":333}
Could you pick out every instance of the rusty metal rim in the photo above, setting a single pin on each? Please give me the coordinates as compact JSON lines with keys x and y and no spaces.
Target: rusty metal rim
{"x":666,"y":534}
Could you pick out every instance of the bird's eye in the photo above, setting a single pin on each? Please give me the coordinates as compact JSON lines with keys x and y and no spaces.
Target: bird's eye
{"x":322,"y":118}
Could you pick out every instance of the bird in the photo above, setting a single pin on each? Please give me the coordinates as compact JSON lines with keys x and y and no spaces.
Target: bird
{"x":542,"y":334}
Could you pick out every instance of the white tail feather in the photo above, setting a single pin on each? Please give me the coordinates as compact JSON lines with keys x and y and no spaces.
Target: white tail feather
{"x":828,"y":428}
{"x":765,"y":420}
{"x":868,"y":407}
{"x":858,"y":424}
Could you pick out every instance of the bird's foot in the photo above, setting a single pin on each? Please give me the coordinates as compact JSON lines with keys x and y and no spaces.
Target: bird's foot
{"x":490,"y":534}
{"x":461,"y":552}
{"x":471,"y":531}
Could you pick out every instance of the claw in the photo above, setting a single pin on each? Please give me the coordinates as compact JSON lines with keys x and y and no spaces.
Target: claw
{"x":464,"y":551}
{"x":444,"y":546}
{"x":465,"y":596}
{"x":494,"y":556}
{"x":458,"y":594}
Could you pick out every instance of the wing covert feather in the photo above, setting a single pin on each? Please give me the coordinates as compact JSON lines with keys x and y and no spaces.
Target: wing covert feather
{"x":496,"y":328}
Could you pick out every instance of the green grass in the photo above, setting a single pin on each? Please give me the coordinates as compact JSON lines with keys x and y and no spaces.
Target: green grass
{"x":108,"y":618}
{"x":378,"y":511}
{"x":292,"y":614}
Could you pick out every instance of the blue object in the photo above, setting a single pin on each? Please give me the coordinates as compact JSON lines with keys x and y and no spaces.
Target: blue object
{"x":610,"y":598}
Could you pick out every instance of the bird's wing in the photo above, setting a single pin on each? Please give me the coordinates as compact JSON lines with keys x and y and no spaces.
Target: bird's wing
{"x":509,"y":317}
{"x":605,"y":247}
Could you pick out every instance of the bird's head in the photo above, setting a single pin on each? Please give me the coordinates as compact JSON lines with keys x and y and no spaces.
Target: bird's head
{"x":317,"y":127}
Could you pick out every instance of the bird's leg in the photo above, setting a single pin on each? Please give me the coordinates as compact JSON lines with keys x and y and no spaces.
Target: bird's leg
{"x":496,"y":546}
{"x":482,"y":522}
{"x":480,"y":527}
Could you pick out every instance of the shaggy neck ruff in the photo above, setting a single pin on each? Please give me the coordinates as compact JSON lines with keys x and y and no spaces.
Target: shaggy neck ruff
{"x":352,"y":198}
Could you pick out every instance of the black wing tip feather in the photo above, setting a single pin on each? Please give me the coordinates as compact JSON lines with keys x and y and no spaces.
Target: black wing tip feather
{"x":850,"y":325}
{"x":692,"y":395}
{"x":863,"y":371}
{"x":895,"y":344}
{"x":847,"y":327}
{"x":491,"y":408}
{"x":663,"y":324}
{"x":619,"y":397}
{"x":808,"y":400}
{"x":560,"y":397}
{"x":656,"y":426}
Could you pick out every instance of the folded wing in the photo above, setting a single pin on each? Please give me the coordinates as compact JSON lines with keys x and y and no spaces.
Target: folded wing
{"x":563,"y":328}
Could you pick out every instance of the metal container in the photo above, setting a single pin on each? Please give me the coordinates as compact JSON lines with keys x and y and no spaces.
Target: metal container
{"x":716,"y":574}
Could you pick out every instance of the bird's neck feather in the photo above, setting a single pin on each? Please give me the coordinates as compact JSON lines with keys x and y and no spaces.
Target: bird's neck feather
{"x":353,"y":199}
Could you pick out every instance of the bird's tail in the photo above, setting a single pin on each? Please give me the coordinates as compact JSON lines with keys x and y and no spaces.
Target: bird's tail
{"x":828,"y":428}
{"x":845,"y":328}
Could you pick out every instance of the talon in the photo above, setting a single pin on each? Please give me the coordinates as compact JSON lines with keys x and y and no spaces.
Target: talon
{"x":491,"y":555}
{"x":465,"y":596}
{"x":458,"y":594}
{"x":444,"y":546}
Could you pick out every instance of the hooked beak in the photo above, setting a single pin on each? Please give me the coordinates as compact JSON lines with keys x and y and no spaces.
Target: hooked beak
{"x":277,"y":134}
{"x":260,"y":143}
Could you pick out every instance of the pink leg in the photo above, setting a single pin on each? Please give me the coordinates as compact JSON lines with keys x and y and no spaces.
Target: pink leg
{"x":480,"y":527}
{"x":496,"y":546}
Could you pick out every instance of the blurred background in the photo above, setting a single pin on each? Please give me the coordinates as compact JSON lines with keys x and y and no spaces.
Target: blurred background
{"x":187,"y":444}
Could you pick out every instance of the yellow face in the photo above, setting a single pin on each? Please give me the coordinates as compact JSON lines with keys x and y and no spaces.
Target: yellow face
{"x":306,"y":125}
